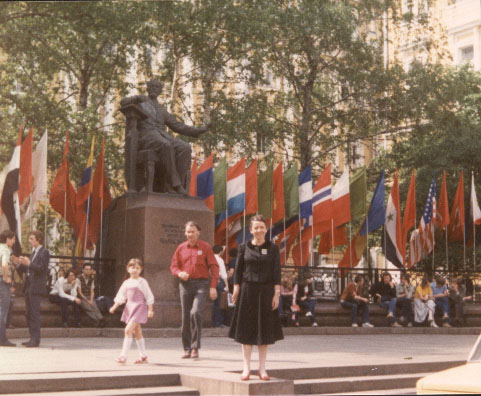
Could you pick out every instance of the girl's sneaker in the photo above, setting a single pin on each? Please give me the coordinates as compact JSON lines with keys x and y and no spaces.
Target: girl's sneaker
{"x":141,"y":359}
{"x":121,"y":359}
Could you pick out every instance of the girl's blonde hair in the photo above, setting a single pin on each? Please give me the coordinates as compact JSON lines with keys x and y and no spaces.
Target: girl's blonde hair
{"x":131,"y":263}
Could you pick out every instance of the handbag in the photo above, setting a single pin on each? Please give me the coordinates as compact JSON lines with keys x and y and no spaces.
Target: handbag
{"x":223,"y":303}
{"x":295,"y":308}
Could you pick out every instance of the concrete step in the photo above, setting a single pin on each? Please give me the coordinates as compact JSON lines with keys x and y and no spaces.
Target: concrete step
{"x":313,"y":373}
{"x":52,"y":332}
{"x":83,"y":381}
{"x":356,"y":384}
{"x":403,"y":391}
{"x":147,"y":391}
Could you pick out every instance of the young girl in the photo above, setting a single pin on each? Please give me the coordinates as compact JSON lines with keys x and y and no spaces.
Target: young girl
{"x":135,"y":291}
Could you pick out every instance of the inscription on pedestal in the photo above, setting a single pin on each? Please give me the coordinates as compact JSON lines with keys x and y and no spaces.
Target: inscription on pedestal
{"x":172,"y":234}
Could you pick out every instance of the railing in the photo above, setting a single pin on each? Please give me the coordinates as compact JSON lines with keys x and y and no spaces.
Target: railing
{"x":104,"y":272}
{"x":329,"y":282}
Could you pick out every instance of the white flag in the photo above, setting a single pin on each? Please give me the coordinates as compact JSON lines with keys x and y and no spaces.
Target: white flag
{"x":475,"y":211}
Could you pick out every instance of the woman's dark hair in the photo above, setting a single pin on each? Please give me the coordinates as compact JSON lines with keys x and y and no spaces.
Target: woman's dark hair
{"x":440,"y":280}
{"x":257,"y":218}
{"x":387,"y":274}
{"x":7,"y":234}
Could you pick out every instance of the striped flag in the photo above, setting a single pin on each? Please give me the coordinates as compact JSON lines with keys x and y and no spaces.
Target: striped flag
{"x":393,"y":251}
{"x":322,"y":202}
{"x":426,"y":225}
{"x":415,"y":249}
{"x":475,"y":211}
{"x":341,"y":205}
{"x":305,"y":196}
{"x":236,"y":188}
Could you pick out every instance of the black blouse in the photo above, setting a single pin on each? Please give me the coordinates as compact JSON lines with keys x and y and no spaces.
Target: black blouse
{"x":260,"y":264}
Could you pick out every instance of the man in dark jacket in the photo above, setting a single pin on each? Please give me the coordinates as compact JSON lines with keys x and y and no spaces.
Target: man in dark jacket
{"x":36,"y":269}
{"x":385,"y":294}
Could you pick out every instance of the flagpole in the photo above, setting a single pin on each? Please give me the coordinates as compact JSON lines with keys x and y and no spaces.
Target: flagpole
{"x":285,"y":250}
{"x":385,"y":251}
{"x":350,"y":245}
{"x":244,"y":230}
{"x":434,"y":243}
{"x":45,"y":220}
{"x":101,"y":221}
{"x":367,"y":240}
{"x":64,"y":219}
{"x":86,"y":225}
{"x":332,"y":240}
{"x":312,"y":237}
{"x":300,"y":226}
{"x":447,"y":254}
{"x":474,"y":225}
{"x":464,"y":246}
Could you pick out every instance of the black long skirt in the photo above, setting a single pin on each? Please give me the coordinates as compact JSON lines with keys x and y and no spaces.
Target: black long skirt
{"x":254,"y":322}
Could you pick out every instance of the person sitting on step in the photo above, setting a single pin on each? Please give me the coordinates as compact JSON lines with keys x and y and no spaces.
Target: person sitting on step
{"x":457,"y":299}
{"x":351,"y":298}
{"x":424,"y":303}
{"x":385,"y":293}
{"x":441,"y":298}
{"x":64,"y":293}
{"x":305,"y":297}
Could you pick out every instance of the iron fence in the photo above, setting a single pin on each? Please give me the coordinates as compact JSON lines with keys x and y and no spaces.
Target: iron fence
{"x":104,"y":272}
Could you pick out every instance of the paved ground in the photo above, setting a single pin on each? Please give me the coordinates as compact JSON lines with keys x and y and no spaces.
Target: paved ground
{"x":97,"y":354}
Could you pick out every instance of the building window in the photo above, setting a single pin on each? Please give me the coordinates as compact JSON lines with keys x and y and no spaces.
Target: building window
{"x":467,"y":54}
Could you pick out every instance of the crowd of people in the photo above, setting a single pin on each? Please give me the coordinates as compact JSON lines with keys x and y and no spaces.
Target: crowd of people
{"x":416,"y":305}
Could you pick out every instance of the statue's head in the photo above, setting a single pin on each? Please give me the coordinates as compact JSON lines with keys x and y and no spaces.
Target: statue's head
{"x":154,"y":87}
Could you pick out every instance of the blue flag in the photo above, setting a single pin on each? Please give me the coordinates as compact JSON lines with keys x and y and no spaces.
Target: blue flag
{"x":377,"y":210}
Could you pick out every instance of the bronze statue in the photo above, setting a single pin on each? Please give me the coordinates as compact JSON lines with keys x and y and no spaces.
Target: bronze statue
{"x":173,"y":155}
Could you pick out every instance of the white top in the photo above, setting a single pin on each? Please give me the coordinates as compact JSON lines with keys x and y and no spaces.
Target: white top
{"x":65,"y":289}
{"x":143,"y":286}
{"x":4,"y":254}
{"x":222,"y":271}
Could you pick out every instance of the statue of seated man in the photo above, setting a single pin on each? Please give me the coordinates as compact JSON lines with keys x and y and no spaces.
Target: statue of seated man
{"x":174,"y":154}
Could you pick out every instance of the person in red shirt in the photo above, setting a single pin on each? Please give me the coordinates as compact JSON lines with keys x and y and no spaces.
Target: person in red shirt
{"x":192,"y":263}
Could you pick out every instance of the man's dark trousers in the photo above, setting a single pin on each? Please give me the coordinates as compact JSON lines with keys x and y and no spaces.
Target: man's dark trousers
{"x":193,"y":295}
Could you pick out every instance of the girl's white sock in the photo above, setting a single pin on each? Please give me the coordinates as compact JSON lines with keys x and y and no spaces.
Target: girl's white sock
{"x":126,"y":346}
{"x":141,"y":345}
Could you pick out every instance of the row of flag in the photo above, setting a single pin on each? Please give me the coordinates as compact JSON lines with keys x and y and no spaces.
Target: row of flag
{"x":83,"y":207}
{"x":23,"y":184}
{"x":298,"y":211}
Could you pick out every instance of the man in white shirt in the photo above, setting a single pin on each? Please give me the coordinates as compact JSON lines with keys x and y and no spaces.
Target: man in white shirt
{"x":222,"y":285}
{"x":64,"y":293}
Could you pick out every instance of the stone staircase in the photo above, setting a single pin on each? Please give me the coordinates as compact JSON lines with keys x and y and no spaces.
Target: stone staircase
{"x":366,"y":379}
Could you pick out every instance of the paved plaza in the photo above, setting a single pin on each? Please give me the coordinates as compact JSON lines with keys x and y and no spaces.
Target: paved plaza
{"x":97,"y":354}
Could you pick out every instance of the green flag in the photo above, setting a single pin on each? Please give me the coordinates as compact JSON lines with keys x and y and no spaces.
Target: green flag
{"x":220,"y":187}
{"x":264,"y":193}
{"x":358,"y":192}
{"x":291,"y":192}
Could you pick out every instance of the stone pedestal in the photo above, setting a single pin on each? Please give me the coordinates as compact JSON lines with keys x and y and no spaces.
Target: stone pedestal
{"x":150,"y":226}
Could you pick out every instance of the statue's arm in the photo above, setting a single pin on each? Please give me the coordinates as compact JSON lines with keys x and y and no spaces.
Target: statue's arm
{"x":128,"y":100}
{"x":179,"y":127}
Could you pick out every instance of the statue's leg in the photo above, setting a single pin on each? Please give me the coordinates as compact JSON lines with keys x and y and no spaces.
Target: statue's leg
{"x":167,"y":159}
{"x":183,"y":155}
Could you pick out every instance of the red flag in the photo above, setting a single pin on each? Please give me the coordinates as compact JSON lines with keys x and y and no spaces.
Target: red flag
{"x":205,"y":182}
{"x":322,"y":202}
{"x":25,"y":183}
{"x":101,"y":198}
{"x":278,"y":211}
{"x":251,"y":189}
{"x":193,"y":179}
{"x":442,"y":210}
{"x":354,"y":251}
{"x":286,"y":239}
{"x":302,"y":250}
{"x":325,"y":243}
{"x":62,"y":194}
{"x":456,"y":221}
{"x":409,"y":218}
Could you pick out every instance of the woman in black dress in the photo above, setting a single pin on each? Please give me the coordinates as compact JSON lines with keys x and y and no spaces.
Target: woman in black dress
{"x":257,"y":280}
